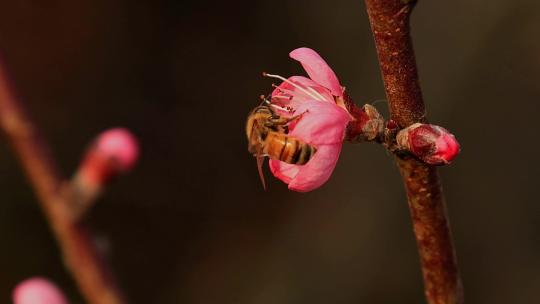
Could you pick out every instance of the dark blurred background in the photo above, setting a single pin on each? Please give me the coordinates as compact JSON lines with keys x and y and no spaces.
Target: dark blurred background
{"x":191,"y":224}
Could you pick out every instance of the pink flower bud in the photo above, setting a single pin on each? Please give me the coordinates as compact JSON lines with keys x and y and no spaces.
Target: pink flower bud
{"x":114,"y":151}
{"x":37,"y":291}
{"x":430,"y":143}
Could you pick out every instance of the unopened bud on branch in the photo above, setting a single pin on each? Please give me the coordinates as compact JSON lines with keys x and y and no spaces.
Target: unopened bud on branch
{"x":430,"y":143}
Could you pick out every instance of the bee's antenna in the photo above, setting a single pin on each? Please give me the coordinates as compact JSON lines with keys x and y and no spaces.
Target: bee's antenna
{"x":264,"y":100}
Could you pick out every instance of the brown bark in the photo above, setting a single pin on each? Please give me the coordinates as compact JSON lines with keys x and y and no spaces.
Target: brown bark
{"x":390,"y":25}
{"x":79,"y":253}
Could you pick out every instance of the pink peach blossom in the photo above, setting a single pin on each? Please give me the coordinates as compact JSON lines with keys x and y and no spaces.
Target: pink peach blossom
{"x":322,"y":122}
{"x":38,"y":291}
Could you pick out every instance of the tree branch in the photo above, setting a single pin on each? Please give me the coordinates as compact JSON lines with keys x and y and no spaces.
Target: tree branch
{"x":80,"y":255}
{"x":390,"y":25}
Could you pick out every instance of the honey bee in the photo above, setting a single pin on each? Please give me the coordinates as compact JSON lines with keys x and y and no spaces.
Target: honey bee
{"x":267,"y":134}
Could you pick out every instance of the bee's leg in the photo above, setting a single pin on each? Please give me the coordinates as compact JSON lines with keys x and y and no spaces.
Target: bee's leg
{"x":280,"y":120}
{"x":277,"y":121}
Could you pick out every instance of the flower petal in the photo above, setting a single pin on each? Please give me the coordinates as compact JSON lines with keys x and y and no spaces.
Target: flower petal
{"x":284,"y":171}
{"x":318,"y":69}
{"x":311,"y":175}
{"x":321,"y":123}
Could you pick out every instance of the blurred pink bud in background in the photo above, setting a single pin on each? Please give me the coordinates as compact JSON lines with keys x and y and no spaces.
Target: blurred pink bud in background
{"x":38,"y":291}
{"x":113,"y":152}
{"x":432,"y":144}
{"x":322,"y":122}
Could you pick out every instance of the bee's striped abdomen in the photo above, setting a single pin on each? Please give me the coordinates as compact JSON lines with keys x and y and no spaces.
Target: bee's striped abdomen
{"x":288,"y":149}
{"x":302,"y":154}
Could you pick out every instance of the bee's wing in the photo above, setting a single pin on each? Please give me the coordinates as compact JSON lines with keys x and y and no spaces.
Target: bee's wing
{"x":254,"y":139}
{"x":260,"y":162}
{"x":254,"y":147}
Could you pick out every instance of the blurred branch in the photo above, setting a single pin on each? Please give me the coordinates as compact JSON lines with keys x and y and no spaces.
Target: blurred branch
{"x":80,"y":255}
{"x":390,"y":25}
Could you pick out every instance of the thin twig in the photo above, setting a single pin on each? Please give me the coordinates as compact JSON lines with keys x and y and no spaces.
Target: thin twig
{"x":80,"y":255}
{"x":390,"y":25}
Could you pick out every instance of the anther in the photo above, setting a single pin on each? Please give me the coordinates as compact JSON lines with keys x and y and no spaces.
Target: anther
{"x":306,"y":91}
{"x":282,"y":97}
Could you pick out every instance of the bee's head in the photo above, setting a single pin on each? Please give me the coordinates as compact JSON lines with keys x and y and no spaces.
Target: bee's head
{"x":263,"y":111}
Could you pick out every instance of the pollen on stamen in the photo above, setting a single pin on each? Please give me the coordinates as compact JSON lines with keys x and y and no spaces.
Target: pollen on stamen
{"x":279,"y":107}
{"x":282,"y":97}
{"x":296,"y":85}
{"x":315,"y":92}
{"x":289,"y":92}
